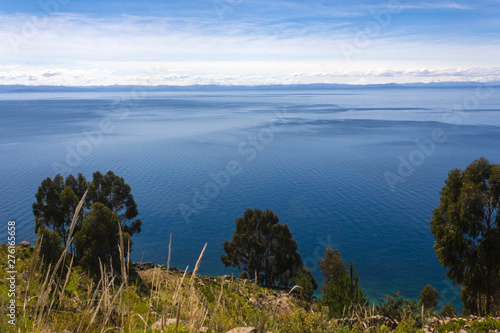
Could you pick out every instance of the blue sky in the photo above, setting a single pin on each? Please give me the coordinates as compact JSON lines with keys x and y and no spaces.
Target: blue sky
{"x":76,"y":42}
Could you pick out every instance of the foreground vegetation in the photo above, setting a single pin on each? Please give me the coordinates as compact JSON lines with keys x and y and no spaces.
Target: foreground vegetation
{"x":186,"y":302}
{"x":78,"y":278}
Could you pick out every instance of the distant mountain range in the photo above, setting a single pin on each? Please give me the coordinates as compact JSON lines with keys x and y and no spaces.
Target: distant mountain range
{"x":314,"y":86}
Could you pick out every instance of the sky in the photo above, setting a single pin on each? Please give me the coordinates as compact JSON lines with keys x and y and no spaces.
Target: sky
{"x":247,"y":42}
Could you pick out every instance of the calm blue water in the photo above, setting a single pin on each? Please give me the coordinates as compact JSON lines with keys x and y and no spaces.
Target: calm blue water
{"x":319,"y":159}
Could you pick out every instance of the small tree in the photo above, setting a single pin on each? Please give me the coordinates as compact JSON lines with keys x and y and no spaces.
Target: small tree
{"x":448,"y":311}
{"x":429,"y":297}
{"x":98,"y":240}
{"x":305,"y":280}
{"x":51,"y":249}
{"x":262,"y":246}
{"x":332,"y":266}
{"x":341,"y":288}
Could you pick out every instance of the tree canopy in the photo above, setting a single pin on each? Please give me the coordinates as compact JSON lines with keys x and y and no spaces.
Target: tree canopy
{"x":109,"y":200}
{"x":467,"y":235}
{"x":56,"y":202}
{"x":114,"y":193}
{"x":429,"y":297}
{"x":262,"y":246}
{"x":99,"y":238}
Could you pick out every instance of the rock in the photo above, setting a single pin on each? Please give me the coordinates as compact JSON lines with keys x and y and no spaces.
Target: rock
{"x":203,"y":329}
{"x":24,"y":244}
{"x":243,"y":330}
{"x":65,"y":331}
{"x":225,"y":277}
{"x":157,"y":325}
{"x":462,"y":331}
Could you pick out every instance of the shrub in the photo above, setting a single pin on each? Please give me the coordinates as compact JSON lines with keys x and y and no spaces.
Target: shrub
{"x":396,"y":307}
{"x":486,"y":325}
{"x":449,"y":327}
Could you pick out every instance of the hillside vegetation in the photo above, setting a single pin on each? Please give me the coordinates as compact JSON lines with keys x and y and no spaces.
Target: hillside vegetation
{"x":159,"y":298}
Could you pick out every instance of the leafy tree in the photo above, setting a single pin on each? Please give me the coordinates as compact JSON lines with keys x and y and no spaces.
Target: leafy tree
{"x":262,"y":246}
{"x":50,"y":249}
{"x":466,"y":228}
{"x":341,"y":288}
{"x":99,"y":238}
{"x":305,"y":280}
{"x":114,"y":193}
{"x":429,"y":297}
{"x":448,"y":311}
{"x":332,"y":266}
{"x":56,"y":202}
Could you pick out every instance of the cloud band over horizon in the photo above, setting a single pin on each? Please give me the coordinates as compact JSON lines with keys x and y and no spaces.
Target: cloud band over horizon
{"x":252,"y":43}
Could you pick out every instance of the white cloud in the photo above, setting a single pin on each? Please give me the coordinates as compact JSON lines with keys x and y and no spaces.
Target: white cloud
{"x":75,"y":49}
{"x":436,"y":5}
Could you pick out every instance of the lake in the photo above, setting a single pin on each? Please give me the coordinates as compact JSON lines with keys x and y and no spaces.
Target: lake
{"x":357,"y":169}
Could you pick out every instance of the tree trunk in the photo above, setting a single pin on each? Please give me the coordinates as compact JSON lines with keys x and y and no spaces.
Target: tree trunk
{"x":479,"y":304}
{"x":487,"y":303}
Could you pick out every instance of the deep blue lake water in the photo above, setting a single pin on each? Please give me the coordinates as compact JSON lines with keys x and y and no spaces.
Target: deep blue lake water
{"x":357,"y":169}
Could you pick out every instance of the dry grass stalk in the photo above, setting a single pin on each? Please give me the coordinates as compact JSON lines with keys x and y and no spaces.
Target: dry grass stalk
{"x":121,"y":250}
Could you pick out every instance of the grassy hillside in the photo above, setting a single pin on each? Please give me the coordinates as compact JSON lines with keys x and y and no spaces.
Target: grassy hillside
{"x":155,"y":298}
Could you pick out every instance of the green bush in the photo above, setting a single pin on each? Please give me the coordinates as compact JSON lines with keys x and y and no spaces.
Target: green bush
{"x":384,"y":329}
{"x":408,"y":325}
{"x":397,"y":308}
{"x":449,"y":327}
{"x":486,"y":325}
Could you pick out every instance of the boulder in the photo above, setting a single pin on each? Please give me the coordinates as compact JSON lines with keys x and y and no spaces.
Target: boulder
{"x":157,"y":325}
{"x":243,"y":330}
